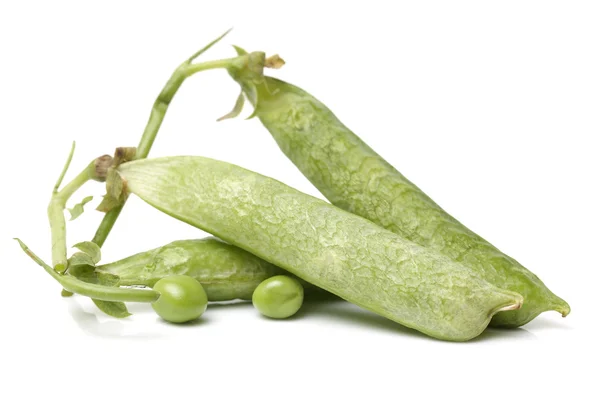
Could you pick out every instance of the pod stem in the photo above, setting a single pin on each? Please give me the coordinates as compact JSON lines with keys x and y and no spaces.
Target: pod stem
{"x":94,"y":291}
{"x":159,"y":110}
{"x":56,"y":208}
{"x":162,"y":102}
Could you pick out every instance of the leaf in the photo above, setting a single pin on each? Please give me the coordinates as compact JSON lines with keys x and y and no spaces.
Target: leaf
{"x":90,"y":248}
{"x":64,"y":293}
{"x":85,"y":273}
{"x":114,"y":309}
{"x":81,"y":258}
{"x":77,"y":210}
{"x":88,"y":274}
{"x":237,"y":108}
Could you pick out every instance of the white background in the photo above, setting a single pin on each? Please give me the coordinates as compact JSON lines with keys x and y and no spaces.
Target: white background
{"x":490,"y":107}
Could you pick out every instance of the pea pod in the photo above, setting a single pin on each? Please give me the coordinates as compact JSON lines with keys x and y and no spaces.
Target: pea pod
{"x":225,"y":271}
{"x":355,"y":178}
{"x":333,"y":249}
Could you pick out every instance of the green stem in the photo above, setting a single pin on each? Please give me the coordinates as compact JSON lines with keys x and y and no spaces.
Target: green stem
{"x":56,"y":207}
{"x":94,"y":291}
{"x":192,"y":69}
{"x":106,"y":225}
{"x":157,"y":115}
{"x":58,"y":231}
{"x":162,"y":102}
{"x":58,"y":228}
{"x":65,"y":168}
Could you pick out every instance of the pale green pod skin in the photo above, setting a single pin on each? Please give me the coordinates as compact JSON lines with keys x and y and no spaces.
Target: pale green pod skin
{"x":354,"y":177}
{"x":225,"y":271}
{"x":338,"y":251}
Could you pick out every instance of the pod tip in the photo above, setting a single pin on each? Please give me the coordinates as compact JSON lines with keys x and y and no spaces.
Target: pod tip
{"x":512,"y":306}
{"x":560,"y":305}
{"x":564,"y":310}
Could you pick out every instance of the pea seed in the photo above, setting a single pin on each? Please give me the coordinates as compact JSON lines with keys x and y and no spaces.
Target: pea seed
{"x":278,"y":297}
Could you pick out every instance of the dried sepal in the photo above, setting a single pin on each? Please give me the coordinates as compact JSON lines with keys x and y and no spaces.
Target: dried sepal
{"x":101,"y":166}
{"x":122,"y":155}
{"x":274,"y":62}
{"x":237,"y":108}
{"x":108,"y":203}
{"x":116,"y":191}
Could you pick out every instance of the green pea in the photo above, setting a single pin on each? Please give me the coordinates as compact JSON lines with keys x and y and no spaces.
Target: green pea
{"x":278,"y":297}
{"x":181,"y":299}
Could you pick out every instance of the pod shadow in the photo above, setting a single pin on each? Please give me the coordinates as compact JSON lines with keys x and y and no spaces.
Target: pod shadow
{"x":336,"y":310}
{"x":545,"y":322}
{"x":237,"y":303}
{"x":194,"y":323}
{"x":501,"y":334}
{"x":111,"y":328}
{"x":325,"y":307}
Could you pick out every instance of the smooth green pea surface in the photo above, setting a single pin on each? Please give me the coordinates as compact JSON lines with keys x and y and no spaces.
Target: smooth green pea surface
{"x":182,"y":298}
{"x":278,"y":297}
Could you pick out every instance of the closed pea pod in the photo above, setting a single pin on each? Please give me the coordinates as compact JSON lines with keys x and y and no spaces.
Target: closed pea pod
{"x":355,"y":178}
{"x":225,"y":271}
{"x":322,"y":244}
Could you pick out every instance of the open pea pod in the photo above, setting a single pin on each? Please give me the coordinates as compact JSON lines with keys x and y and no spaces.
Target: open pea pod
{"x":338,"y":251}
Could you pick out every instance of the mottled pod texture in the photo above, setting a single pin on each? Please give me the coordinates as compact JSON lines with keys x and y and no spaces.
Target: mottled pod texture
{"x":355,"y":178}
{"x":336,"y":250}
{"x":225,"y":271}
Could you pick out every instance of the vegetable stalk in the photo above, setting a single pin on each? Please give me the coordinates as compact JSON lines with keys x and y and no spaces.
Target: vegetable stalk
{"x":57,"y":206}
{"x":94,"y":291}
{"x":161,"y":104}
